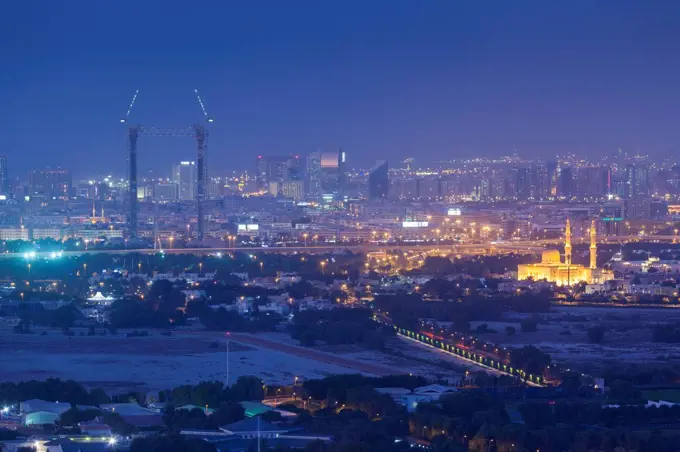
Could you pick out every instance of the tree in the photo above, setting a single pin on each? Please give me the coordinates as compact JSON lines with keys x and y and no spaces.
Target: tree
{"x":118,"y":424}
{"x":184,"y":419}
{"x":308,"y":338}
{"x":227,"y":413}
{"x":530,"y":359}
{"x":74,"y":416}
{"x":196,"y":308}
{"x":247,"y":388}
{"x":510,"y":330}
{"x":302,"y":289}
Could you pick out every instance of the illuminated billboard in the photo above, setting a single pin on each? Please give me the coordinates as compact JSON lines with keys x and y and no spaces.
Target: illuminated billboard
{"x":248,"y":227}
{"x":454,"y":211}
{"x":414,"y":224}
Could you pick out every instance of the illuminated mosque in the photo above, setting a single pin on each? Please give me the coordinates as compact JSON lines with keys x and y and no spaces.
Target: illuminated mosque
{"x":552,"y":269}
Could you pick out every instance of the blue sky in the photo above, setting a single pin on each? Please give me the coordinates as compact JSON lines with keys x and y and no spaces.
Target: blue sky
{"x":381,"y":79}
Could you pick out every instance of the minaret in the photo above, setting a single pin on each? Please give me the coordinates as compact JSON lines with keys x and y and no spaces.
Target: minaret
{"x":593,"y":246}
{"x":567,"y":244}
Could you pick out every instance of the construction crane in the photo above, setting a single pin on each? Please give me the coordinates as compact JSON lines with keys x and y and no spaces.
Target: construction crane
{"x":202,"y":160}
{"x":197,"y":131}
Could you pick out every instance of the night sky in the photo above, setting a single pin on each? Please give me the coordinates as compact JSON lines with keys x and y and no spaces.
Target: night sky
{"x":381,"y":79}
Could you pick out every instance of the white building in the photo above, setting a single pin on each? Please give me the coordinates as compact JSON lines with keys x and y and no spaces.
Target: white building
{"x":185,"y":175}
{"x":10,"y":234}
{"x":47,"y":233}
{"x":411,"y":399}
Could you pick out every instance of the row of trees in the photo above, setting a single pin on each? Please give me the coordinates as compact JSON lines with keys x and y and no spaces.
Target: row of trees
{"x":339,"y":326}
{"x":53,"y":390}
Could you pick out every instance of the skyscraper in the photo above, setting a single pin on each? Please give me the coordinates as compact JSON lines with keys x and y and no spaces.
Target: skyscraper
{"x":272,"y":171}
{"x":378,"y":180}
{"x":565,"y":182}
{"x":342,"y":172}
{"x":314,"y":174}
{"x":637,"y":181}
{"x":184,"y":175}
{"x":540,"y":181}
{"x":293,"y":189}
{"x":593,"y":181}
{"x":50,"y":183}
{"x":4,"y":180}
{"x":333,"y":173}
{"x":522,"y":183}
{"x":552,"y":169}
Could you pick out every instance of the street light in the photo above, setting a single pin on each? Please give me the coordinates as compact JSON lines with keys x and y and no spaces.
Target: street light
{"x":305,"y":235}
{"x":228,"y":334}
{"x":323,"y":265}
{"x":171,"y":239}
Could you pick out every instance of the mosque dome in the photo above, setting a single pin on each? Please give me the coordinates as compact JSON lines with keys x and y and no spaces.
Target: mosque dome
{"x":550,"y":257}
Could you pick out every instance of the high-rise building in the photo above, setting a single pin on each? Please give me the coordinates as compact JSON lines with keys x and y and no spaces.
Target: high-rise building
{"x":522,"y":183}
{"x":314,"y":174}
{"x":638,"y":209}
{"x":552,"y":169}
{"x":185,"y":176}
{"x":378,"y":181}
{"x":593,"y":181}
{"x":540,"y":182}
{"x":637,"y":181}
{"x":273,"y":171}
{"x":50,"y":183}
{"x":565,"y":182}
{"x":165,"y":192}
{"x":342,"y":171}
{"x":4,"y":179}
{"x":293,"y":189}
{"x":332,"y":173}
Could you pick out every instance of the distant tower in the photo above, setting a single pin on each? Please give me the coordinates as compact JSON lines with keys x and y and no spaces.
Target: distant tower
{"x":593,"y":246}
{"x":567,"y":244}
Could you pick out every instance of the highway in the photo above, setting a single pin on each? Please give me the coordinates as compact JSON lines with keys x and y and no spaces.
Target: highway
{"x":329,"y":248}
{"x":527,"y":246}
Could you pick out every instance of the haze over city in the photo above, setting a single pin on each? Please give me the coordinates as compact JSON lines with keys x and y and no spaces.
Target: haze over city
{"x":380,"y":80}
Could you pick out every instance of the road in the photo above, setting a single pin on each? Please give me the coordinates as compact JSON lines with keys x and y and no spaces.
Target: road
{"x":315,"y":355}
{"x":363,"y":248}
{"x":526,"y":246}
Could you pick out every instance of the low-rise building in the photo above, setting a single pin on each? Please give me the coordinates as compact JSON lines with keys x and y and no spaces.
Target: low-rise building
{"x":411,"y":399}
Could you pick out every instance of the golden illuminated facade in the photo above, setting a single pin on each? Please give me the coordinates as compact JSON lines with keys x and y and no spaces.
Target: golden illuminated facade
{"x":552,"y":269}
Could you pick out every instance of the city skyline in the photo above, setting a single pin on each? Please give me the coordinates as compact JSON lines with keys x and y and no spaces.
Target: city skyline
{"x":447,"y":81}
